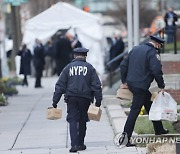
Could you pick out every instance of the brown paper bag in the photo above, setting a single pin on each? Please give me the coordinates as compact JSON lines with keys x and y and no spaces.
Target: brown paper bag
{"x":94,"y":113}
{"x":128,"y":95}
{"x":124,"y":94}
{"x":54,"y":113}
{"x":154,"y":94}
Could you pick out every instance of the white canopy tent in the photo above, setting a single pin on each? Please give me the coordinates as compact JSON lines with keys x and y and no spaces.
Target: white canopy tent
{"x":64,"y":16}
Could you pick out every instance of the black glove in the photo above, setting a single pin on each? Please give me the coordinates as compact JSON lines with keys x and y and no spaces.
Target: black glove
{"x":97,"y":104}
{"x":54,"y":105}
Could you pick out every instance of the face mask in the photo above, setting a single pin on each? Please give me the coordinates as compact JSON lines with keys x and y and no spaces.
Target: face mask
{"x":159,"y":49}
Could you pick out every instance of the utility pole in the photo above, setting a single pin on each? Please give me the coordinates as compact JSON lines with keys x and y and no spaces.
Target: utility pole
{"x":129,"y":24}
{"x":133,"y":19}
{"x":136,"y":21}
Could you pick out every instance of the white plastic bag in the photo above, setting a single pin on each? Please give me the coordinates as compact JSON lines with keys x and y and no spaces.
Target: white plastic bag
{"x":163,"y":107}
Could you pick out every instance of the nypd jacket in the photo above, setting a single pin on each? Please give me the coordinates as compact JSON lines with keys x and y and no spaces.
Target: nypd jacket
{"x":79,"y":79}
{"x":141,"y":67}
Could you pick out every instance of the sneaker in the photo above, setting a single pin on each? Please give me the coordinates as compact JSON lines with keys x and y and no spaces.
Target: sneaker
{"x":122,"y":139}
{"x":164,"y":131}
{"x":82,"y":147}
{"x":74,"y":149}
{"x":129,"y":144}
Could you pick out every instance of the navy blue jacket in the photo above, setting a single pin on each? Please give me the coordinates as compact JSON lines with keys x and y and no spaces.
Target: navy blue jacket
{"x":142,"y":66}
{"x":78,"y":79}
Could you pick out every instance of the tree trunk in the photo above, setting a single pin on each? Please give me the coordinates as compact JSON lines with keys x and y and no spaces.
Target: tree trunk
{"x":16,"y":33}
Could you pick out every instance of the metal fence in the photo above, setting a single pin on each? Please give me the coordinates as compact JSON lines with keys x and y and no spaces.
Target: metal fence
{"x":160,"y":33}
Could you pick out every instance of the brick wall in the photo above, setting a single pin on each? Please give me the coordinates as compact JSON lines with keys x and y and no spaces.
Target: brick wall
{"x":171,"y":67}
{"x":175,"y":94}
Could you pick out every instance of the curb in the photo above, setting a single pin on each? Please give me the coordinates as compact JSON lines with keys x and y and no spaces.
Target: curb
{"x":115,"y":112}
{"x":117,"y":117}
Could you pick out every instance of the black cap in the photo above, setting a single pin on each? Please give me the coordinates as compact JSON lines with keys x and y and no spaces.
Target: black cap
{"x":80,"y":50}
{"x":157,"y":39}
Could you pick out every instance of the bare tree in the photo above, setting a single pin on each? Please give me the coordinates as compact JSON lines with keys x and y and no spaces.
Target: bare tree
{"x":120,"y":15}
{"x":37,"y":6}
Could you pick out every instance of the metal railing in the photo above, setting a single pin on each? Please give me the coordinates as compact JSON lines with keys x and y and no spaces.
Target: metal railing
{"x":109,"y":64}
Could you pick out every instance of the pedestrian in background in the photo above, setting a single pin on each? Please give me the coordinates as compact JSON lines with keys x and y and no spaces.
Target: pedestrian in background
{"x":138,"y":70}
{"x":49,"y":57}
{"x":170,"y":19}
{"x":25,"y":64}
{"x":38,"y":60}
{"x":63,"y":51}
{"x":116,"y":49}
{"x":75,"y":42}
{"x":80,"y":84}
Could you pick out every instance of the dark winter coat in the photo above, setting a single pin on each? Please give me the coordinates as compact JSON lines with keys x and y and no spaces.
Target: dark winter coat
{"x":141,"y":67}
{"x":116,"y":50}
{"x":78,"y":44}
{"x":170,"y":16}
{"x":78,"y":79}
{"x":63,"y":52}
{"x":25,"y":65}
{"x":38,"y":58}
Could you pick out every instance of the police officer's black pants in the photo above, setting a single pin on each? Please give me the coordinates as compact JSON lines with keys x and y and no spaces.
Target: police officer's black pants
{"x":140,"y":97}
{"x":77,"y":117}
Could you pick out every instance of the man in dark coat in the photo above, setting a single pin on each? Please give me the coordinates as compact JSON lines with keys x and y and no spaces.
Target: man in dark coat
{"x":63,"y":51}
{"x":39,"y":62}
{"x":76,"y":43}
{"x":80,"y":84}
{"x":138,"y":71}
{"x":170,"y":18}
{"x":25,"y":65}
{"x":116,"y":49}
{"x":49,"y":57}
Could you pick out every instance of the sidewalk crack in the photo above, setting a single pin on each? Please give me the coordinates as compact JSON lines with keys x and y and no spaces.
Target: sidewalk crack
{"x":26,"y":121}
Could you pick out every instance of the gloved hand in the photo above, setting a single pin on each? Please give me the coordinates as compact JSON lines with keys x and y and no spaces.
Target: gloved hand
{"x":54,"y":105}
{"x":124,"y":86}
{"x":162,"y":90}
{"x":97,"y":104}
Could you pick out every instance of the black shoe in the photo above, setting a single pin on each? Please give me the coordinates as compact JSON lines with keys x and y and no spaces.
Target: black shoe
{"x":129,"y":144}
{"x":82,"y":147}
{"x":164,"y":131}
{"x":74,"y":149}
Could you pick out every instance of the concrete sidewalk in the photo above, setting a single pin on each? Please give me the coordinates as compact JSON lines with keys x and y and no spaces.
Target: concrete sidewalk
{"x":24,"y":128}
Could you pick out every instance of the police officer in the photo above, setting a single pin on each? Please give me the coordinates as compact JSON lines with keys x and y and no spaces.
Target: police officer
{"x":80,"y":84}
{"x":138,"y":70}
